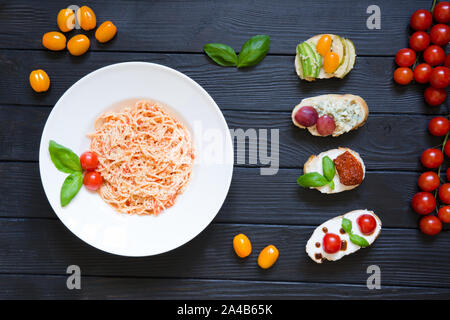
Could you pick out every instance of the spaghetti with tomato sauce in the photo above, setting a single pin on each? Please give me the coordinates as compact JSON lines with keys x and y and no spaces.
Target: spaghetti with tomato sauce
{"x":145,"y":158}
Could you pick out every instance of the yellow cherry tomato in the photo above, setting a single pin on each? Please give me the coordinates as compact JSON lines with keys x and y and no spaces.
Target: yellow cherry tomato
{"x":324,"y":44}
{"x":330,"y":62}
{"x":39,"y":80}
{"x":86,"y":18}
{"x":105,"y":32}
{"x":78,"y":45}
{"x":54,"y":40}
{"x":268,"y":256}
{"x":242,"y":245}
{"x":66,"y":20}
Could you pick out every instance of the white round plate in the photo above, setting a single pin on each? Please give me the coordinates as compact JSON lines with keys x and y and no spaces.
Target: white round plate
{"x":87,"y":215}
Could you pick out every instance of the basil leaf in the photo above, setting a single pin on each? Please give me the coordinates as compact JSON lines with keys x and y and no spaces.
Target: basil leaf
{"x":329,"y":169}
{"x":64,"y":159}
{"x":331,"y":185}
{"x":221,"y":54}
{"x":253,"y":51}
{"x":359,"y":241}
{"x":347,"y":225}
{"x":70,"y":187}
{"x":312,"y":179}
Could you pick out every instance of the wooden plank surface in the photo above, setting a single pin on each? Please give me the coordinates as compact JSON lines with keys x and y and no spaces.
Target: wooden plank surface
{"x":37,"y":248}
{"x":54,"y":287}
{"x":272,"y":85}
{"x":179,"y":25}
{"x":405,"y":257}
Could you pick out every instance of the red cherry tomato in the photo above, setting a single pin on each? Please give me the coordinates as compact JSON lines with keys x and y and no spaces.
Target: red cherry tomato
{"x":440,"y":76}
{"x":447,"y":148}
{"x":428,"y":181}
{"x":444,"y":193}
{"x":92,"y":180}
{"x":439,"y":126}
{"x":447,"y":61}
{"x":403,"y":75}
{"x":422,"y":73}
{"x":89,"y":161}
{"x":331,"y":243}
{"x":444,"y":214}
{"x":441,"y":12}
{"x":421,"y":20}
{"x":419,"y":41}
{"x":366,"y":223}
{"x":405,"y":57}
{"x":435,"y":97}
{"x":440,"y":34}
{"x":432,"y":158}
{"x":423,"y":203}
{"x":434,"y":55}
{"x":430,"y":225}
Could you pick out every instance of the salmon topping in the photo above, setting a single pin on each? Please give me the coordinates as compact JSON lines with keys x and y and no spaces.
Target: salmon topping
{"x":349,"y":169}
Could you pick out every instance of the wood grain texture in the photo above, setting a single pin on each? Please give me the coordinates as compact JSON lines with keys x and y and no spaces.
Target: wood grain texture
{"x":382,"y":141}
{"x":270,"y":86}
{"x":178,"y":25}
{"x":54,"y":287}
{"x":404,"y":256}
{"x":252,"y":198}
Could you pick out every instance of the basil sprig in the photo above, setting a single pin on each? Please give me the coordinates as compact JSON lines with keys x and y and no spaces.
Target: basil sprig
{"x":252,"y":52}
{"x":67,"y":161}
{"x":315,"y":179}
{"x":358,"y":240}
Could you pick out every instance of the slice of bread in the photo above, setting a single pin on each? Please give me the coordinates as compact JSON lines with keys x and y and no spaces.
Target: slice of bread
{"x":349,"y":111}
{"x":342,"y":46}
{"x":314,"y":246}
{"x":314,"y":164}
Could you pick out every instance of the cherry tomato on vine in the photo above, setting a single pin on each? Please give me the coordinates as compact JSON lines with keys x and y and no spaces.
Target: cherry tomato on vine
{"x":432,"y":158}
{"x":435,"y":97}
{"x":441,"y":12}
{"x":422,"y":73}
{"x":430,"y":225}
{"x":444,"y":214}
{"x":405,"y":57}
{"x":447,"y":61}
{"x":439,"y":126}
{"x":421,"y":20}
{"x":92,"y":180}
{"x":403,"y":75}
{"x":434,"y":55}
{"x":440,"y":76}
{"x":423,"y":203}
{"x":419,"y":41}
{"x":444,"y":193}
{"x":89,"y":161}
{"x":447,"y":148}
{"x":331,"y":243}
{"x":366,"y":223}
{"x":428,"y":181}
{"x":440,"y":34}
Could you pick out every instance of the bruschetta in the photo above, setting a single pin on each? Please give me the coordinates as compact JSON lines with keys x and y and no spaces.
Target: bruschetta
{"x":330,"y":114}
{"x":324,"y":56}
{"x":343,"y":235}
{"x":333,"y":171}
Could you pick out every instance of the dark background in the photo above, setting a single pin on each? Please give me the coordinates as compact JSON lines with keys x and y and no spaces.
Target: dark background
{"x":36,"y":249}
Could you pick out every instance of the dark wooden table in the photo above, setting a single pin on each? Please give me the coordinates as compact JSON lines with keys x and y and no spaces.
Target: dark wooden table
{"x":36,"y":248}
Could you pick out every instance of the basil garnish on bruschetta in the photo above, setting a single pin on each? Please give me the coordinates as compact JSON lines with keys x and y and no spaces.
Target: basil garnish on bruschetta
{"x":358,"y":240}
{"x":315,"y":179}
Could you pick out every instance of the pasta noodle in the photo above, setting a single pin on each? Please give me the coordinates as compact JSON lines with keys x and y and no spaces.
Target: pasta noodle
{"x":145,"y":158}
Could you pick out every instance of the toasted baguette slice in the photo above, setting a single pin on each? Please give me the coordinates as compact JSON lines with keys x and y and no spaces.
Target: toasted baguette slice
{"x":342,"y":46}
{"x":334,"y":225}
{"x":349,"y":111}
{"x":314,"y":164}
